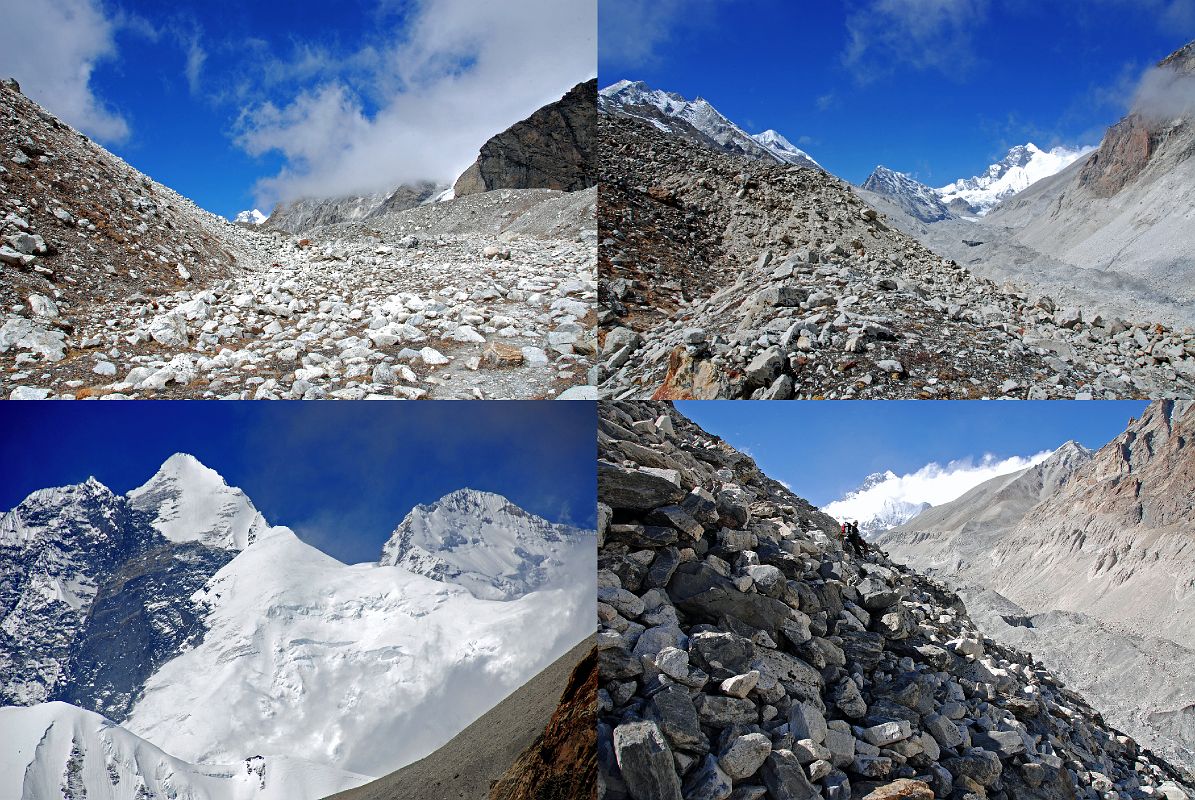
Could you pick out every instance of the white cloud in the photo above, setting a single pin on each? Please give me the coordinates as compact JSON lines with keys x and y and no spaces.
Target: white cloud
{"x":1164,"y":93}
{"x":923,"y":34}
{"x":421,"y":105}
{"x":196,"y":57}
{"x":52,"y":47}
{"x":934,"y":484}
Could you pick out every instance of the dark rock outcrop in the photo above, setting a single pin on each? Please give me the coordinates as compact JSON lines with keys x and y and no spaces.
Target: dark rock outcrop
{"x":551,"y":149}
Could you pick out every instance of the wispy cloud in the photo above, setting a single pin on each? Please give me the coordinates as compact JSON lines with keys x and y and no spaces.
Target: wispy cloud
{"x":922,"y":34}
{"x":633,"y":32}
{"x":934,"y":484}
{"x":52,"y":48}
{"x":1164,"y":93}
{"x":418,"y":101}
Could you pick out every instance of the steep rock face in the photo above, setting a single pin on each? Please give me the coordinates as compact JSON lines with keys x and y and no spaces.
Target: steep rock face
{"x":94,"y":599}
{"x":1086,"y":559}
{"x":562,"y":762}
{"x":56,"y":548}
{"x":914,"y":197}
{"x":1129,"y":145}
{"x":487,"y":544}
{"x":1126,"y":149}
{"x":1116,"y":541}
{"x":742,"y":651}
{"x":1128,"y":207}
{"x":552,"y":149}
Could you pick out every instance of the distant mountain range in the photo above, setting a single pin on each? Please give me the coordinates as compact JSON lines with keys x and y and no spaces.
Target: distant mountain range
{"x":1023,"y":166}
{"x":700,"y":121}
{"x":170,"y":642}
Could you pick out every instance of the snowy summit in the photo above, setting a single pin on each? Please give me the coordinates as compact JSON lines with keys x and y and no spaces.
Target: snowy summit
{"x":251,"y":217}
{"x":1024,"y":166}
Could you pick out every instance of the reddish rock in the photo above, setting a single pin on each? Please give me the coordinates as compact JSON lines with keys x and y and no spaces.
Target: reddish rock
{"x":562,"y":763}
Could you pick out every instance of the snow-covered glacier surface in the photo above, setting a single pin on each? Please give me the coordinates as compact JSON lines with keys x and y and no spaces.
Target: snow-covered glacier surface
{"x":365,"y":667}
{"x":56,"y":750}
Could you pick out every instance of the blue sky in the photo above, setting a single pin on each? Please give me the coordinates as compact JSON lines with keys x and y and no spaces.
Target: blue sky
{"x":936,"y":88}
{"x":236,"y":104}
{"x":823,"y":450}
{"x":342,"y":475}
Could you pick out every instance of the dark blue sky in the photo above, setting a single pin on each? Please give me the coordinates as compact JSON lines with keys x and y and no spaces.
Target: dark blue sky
{"x":823,"y":450}
{"x":937,"y":88}
{"x":235,"y":103}
{"x":341,"y":474}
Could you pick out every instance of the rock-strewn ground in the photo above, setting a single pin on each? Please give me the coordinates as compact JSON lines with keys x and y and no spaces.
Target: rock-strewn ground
{"x":116,"y":287}
{"x":743,"y":653}
{"x":727,"y":278}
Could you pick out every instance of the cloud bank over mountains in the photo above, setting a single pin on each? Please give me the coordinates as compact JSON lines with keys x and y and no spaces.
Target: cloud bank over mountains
{"x":934,"y":484}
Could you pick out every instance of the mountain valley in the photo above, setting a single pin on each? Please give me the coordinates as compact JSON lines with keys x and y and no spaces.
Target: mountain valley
{"x":1087,"y":560}
{"x":115,"y":286}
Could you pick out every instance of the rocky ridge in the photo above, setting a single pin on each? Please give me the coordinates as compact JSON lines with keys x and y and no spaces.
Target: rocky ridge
{"x":78,"y":565}
{"x":551,"y":149}
{"x":486,"y":296}
{"x":697,"y":121}
{"x":723,"y":277}
{"x":743,"y":654}
{"x":561,"y":764}
{"x":915,"y":198}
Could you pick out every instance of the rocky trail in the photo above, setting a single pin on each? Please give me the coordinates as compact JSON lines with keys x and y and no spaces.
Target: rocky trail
{"x":743,"y":653}
{"x":116,"y":287}
{"x":723,"y":277}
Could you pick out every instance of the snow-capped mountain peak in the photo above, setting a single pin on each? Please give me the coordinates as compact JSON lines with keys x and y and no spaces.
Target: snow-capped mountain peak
{"x":873,"y":511}
{"x":250,"y":217}
{"x":1020,"y":168}
{"x":485,"y":543}
{"x":782,"y":148}
{"x":192,"y":502}
{"x":698,"y":121}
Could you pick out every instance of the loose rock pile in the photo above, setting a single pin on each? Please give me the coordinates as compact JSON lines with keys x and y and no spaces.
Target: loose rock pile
{"x":728,"y":278}
{"x":744,"y":654}
{"x":149,"y":296}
